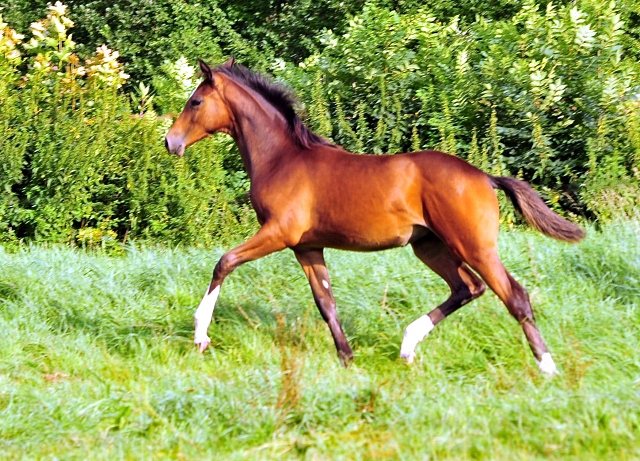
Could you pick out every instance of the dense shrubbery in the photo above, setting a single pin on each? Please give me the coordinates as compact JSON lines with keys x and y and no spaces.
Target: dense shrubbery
{"x":550,"y":94}
{"x":80,"y":159}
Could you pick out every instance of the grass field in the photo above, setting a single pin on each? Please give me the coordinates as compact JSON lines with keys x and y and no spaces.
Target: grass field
{"x":97,"y":361}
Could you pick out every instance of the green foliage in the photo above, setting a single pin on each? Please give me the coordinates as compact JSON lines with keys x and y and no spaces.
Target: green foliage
{"x":446,"y":10}
{"x":96,"y":165}
{"x":288,"y":30}
{"x":75,"y":158}
{"x":546,"y":92}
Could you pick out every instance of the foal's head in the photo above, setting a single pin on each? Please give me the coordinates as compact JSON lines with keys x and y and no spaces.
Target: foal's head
{"x":208,"y":110}
{"x":205,"y":113}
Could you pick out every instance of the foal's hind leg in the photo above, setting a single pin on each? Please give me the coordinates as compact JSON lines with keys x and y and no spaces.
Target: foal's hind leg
{"x":312,"y":262}
{"x":515,"y":297}
{"x":465,"y":287}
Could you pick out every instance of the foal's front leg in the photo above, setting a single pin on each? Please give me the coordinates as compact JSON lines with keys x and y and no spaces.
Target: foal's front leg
{"x":266,"y":241}
{"x":312,"y":262}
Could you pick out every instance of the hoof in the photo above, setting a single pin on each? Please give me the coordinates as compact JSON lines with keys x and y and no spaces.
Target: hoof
{"x":408,"y":357}
{"x":346,"y":358}
{"x":202,"y":344}
{"x":547,"y":365}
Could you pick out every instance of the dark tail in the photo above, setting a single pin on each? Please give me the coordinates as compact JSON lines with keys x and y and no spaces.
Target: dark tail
{"x":529,"y":204}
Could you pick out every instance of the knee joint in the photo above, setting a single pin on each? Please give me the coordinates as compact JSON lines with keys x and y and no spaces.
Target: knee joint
{"x":225,"y":265}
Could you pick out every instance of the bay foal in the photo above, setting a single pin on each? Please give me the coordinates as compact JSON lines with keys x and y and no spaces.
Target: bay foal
{"x":309,"y":195}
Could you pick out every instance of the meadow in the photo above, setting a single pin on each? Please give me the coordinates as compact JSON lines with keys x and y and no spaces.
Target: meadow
{"x":97,"y":360}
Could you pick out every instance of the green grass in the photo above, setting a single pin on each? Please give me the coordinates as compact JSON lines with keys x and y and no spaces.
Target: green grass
{"x":97,"y":362}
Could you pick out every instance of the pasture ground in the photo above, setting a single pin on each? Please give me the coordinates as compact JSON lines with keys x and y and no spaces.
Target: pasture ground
{"x":97,"y":362}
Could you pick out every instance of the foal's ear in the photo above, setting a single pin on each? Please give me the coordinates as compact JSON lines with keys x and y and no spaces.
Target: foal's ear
{"x":229,"y":64}
{"x":206,"y":70}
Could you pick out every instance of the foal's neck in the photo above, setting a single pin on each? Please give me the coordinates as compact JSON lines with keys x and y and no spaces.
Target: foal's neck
{"x":260,"y":130}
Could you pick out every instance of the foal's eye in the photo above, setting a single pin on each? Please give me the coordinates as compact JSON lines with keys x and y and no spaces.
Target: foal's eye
{"x":196,"y":102}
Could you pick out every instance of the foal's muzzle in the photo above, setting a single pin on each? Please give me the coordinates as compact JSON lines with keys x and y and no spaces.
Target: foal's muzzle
{"x":173,"y":145}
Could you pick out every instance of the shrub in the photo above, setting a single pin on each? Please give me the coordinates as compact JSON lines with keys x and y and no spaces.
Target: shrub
{"x":76,"y":156}
{"x":549,"y":94}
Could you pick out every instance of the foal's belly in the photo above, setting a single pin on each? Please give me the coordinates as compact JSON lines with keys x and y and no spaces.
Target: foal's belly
{"x":365,"y":240}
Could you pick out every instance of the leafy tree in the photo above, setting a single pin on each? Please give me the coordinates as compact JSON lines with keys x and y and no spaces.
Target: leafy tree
{"x":149,"y":33}
{"x":289,"y":29}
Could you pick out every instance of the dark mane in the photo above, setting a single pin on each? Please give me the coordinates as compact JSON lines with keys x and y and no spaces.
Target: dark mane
{"x":281,"y":98}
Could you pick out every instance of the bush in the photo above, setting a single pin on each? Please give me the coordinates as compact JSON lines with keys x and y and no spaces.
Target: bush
{"x":79,"y":154}
{"x":550,"y":95}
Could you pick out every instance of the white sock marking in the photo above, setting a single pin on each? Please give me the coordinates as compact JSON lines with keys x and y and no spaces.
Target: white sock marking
{"x":326,"y":284}
{"x":203,"y":316}
{"x":547,"y":365}
{"x":414,"y":333}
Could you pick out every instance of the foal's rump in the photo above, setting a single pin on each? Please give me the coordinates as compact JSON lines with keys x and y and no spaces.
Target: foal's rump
{"x":457,"y":194}
{"x":459,"y":202}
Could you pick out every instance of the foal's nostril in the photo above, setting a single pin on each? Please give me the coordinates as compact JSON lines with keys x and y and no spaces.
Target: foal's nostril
{"x":166,"y":144}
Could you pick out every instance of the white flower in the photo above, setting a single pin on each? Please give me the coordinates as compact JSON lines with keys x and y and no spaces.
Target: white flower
{"x":58,"y":8}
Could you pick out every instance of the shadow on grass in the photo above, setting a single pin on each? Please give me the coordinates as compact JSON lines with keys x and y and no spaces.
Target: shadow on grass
{"x":125,"y":337}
